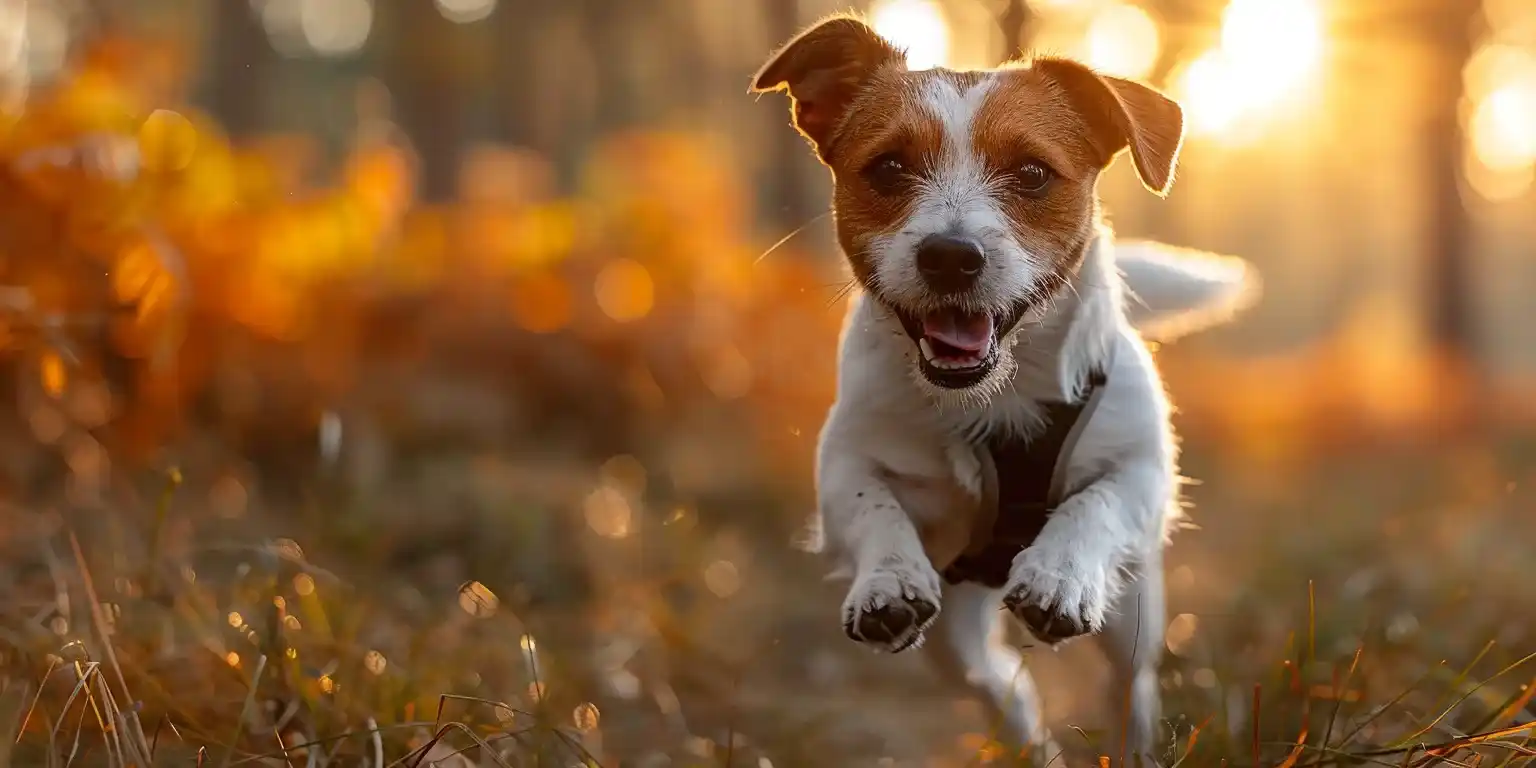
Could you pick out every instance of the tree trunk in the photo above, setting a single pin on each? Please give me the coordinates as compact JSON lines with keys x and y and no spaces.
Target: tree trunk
{"x":515,"y":71}
{"x":241,"y":61}
{"x":786,"y":201}
{"x":1451,"y":325}
{"x":1014,"y":23}
{"x":420,"y":70}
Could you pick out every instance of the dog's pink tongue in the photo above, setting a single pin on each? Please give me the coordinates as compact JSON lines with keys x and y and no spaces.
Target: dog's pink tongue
{"x":961,"y":330}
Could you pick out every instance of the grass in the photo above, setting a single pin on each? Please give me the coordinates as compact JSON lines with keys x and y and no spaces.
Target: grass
{"x":1344,"y":621}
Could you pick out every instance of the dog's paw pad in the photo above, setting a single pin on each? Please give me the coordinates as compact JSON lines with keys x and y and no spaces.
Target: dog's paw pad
{"x":887,"y":614}
{"x":1048,"y":625}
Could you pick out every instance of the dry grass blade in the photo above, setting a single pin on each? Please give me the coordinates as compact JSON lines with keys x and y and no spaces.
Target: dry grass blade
{"x":1338,"y":693}
{"x":581,"y":749}
{"x":1383,"y":709}
{"x":421,"y":752}
{"x":84,"y":670}
{"x":374,"y":733}
{"x":12,"y":716}
{"x":1301,"y":737}
{"x":130,"y":728}
{"x":1194,"y":737}
{"x":1447,"y":711}
{"x":443,"y":699}
{"x":53,"y":663}
{"x":377,"y":741}
{"x":513,"y":735}
{"x":245,"y":711}
{"x":1510,"y":709}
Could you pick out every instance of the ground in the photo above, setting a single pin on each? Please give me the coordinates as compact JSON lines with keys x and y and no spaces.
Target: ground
{"x":1312,"y":592}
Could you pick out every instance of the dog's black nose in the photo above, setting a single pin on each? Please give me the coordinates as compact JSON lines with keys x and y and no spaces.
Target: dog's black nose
{"x":950,"y":264}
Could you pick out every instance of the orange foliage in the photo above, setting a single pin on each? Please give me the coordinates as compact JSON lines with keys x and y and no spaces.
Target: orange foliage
{"x":139,"y":218}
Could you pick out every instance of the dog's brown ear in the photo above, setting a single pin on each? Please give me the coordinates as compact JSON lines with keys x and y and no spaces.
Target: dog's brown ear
{"x":824,"y":67}
{"x":1124,"y":113}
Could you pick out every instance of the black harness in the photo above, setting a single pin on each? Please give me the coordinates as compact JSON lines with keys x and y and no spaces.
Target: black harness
{"x":1027,"y":480}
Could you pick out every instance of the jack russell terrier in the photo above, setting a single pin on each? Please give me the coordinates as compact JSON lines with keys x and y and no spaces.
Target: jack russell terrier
{"x":1001,"y":436}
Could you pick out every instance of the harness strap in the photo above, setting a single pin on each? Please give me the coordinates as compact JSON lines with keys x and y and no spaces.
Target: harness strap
{"x":1023,"y":481}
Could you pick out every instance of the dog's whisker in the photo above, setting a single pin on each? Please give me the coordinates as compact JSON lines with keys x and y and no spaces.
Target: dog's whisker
{"x":791,"y":235}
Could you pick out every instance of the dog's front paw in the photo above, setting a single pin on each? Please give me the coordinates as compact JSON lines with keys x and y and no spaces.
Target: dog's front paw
{"x":1056,"y":596}
{"x":889,"y":609}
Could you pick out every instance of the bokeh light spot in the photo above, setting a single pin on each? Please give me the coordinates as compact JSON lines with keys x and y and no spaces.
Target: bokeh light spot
{"x":375,"y":662}
{"x":722,"y":578}
{"x":465,"y":11}
{"x":585,"y":717}
{"x":167,"y":141}
{"x":1503,"y":127}
{"x":336,"y":27}
{"x":478,"y":600}
{"x":1123,"y":40}
{"x":625,"y":471}
{"x":624,"y":290}
{"x":607,"y":513}
{"x":918,"y":26}
{"x":53,"y":375}
{"x":1181,"y":633}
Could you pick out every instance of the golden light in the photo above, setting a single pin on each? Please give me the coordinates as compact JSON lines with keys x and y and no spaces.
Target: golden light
{"x":585,"y":717}
{"x":1270,"y":50}
{"x":1493,"y":66}
{"x":466,"y":11}
{"x":1500,"y":163}
{"x":1122,"y":40}
{"x":1503,"y":127}
{"x":608,"y":513}
{"x":1275,"y":45}
{"x":478,"y":600}
{"x":1212,"y":95}
{"x":624,"y":290}
{"x":918,"y":26}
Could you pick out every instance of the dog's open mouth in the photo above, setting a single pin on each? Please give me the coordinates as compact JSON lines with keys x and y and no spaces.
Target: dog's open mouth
{"x":958,"y":347}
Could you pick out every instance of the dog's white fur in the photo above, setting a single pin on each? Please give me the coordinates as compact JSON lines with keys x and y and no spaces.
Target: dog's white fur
{"x":897,"y":482}
{"x":899,"y":479}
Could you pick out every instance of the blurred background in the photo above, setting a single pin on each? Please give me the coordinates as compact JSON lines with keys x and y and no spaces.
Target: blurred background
{"x":358,"y":352}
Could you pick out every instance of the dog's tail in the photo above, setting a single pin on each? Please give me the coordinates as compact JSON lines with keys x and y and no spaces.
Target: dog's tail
{"x":1174,"y":291}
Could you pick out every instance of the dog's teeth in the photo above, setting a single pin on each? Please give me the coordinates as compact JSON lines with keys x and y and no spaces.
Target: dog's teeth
{"x":926,"y":348}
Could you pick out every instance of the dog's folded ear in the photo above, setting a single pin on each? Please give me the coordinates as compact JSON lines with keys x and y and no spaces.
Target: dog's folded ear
{"x":1124,"y":113}
{"x":824,"y":68}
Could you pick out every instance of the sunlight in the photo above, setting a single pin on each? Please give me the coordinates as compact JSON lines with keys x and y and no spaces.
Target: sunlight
{"x":1503,"y":127}
{"x":1122,"y":40}
{"x":919,"y":26}
{"x":1212,"y":95}
{"x":1275,"y":46}
{"x":1269,"y":51}
{"x":1501,"y":124}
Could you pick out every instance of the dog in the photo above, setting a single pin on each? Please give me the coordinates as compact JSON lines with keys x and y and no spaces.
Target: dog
{"x":1000,"y":436}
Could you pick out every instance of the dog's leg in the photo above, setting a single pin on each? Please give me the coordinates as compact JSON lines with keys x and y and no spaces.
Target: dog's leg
{"x":1063,"y":584}
{"x":968,"y":650}
{"x":1133,"y":642}
{"x":895,"y":592}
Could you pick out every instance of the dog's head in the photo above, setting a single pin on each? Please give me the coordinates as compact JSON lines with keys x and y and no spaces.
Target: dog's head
{"x":965,"y":199}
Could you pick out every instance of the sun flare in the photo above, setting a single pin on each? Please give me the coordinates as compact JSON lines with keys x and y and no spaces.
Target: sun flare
{"x":1270,"y":51}
{"x":918,"y":26}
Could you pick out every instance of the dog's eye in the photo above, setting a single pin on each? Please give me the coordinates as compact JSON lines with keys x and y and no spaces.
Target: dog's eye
{"x":1033,"y":178}
{"x":886,"y":173}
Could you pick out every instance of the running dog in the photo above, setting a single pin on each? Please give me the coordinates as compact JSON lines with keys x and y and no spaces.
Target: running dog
{"x":1001,"y":436}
